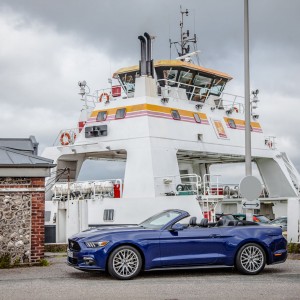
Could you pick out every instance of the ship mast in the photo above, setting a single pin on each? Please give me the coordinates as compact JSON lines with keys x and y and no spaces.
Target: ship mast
{"x":183,"y":46}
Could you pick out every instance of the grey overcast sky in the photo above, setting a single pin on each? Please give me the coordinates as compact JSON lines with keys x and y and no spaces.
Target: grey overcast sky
{"x":47,"y":46}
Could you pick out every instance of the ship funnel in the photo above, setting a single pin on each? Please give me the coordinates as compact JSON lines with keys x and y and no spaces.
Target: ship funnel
{"x":143,"y":64}
{"x":149,"y":62}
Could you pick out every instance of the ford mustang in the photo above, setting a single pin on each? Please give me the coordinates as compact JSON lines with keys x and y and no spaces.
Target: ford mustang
{"x":173,"y":239}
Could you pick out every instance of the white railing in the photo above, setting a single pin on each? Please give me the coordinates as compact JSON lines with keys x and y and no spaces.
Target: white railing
{"x":189,"y":184}
{"x":211,"y":185}
{"x":92,"y":99}
{"x":226,"y":101}
{"x":270,"y":142}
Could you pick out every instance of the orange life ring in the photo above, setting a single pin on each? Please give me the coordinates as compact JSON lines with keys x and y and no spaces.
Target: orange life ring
{"x":62,"y":138}
{"x":102,"y":96}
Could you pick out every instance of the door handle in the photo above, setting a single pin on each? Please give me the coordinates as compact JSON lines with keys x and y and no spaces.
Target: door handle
{"x":215,"y":236}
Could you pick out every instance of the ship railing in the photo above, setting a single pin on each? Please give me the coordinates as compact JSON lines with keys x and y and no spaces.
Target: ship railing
{"x":92,"y":189}
{"x":270,"y":142}
{"x":180,"y":185}
{"x":211,"y":185}
{"x":231,"y":191}
{"x":66,"y":137}
{"x":178,"y":90}
{"x":99,"y":95}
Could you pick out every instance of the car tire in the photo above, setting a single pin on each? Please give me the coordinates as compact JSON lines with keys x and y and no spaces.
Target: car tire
{"x":250,"y":259}
{"x":124,"y":263}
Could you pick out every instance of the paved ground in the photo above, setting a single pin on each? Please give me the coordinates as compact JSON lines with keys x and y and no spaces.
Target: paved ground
{"x":59,"y":281}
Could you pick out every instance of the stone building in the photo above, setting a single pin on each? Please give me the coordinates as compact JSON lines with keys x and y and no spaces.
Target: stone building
{"x":22,"y":200}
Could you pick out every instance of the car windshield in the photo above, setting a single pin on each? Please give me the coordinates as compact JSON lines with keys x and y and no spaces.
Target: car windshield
{"x":263,"y":219}
{"x":160,"y":220}
{"x":279,"y":221}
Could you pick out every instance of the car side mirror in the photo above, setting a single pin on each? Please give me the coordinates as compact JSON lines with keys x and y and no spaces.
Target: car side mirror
{"x":177,"y":227}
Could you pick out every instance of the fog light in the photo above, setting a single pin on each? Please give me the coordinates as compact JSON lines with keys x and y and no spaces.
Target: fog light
{"x":89,"y":260}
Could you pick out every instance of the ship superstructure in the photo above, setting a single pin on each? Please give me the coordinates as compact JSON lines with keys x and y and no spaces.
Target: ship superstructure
{"x":170,"y":121}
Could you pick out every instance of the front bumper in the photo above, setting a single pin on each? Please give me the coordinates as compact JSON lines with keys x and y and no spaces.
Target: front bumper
{"x":92,"y":260}
{"x":84,"y":268}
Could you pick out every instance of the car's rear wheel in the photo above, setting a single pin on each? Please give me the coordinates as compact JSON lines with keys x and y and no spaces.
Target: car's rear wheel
{"x":125,"y":262}
{"x":251,"y":259}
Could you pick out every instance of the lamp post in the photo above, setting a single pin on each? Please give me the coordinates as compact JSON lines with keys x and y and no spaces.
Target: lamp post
{"x":247,"y":92}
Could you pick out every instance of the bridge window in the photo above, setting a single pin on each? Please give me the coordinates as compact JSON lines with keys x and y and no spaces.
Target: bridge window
{"x":218,"y":86}
{"x":102,"y":115}
{"x":185,"y":77}
{"x":170,"y":76}
{"x":202,"y":81}
{"x":120,"y":114}
{"x":175,"y":114}
{"x":128,"y":81}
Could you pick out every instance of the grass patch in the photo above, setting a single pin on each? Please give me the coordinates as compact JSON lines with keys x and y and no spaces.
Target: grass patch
{"x":294,"y":248}
{"x":5,"y":261}
{"x":44,"y":262}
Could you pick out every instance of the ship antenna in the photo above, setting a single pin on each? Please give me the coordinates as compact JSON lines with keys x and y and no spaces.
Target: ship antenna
{"x":183,"y":47}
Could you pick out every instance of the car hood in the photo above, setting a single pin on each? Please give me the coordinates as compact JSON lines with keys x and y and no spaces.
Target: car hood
{"x":104,"y":230}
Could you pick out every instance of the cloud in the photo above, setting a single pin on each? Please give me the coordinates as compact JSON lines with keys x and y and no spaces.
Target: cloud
{"x":49,"y":46}
{"x":40,"y":69}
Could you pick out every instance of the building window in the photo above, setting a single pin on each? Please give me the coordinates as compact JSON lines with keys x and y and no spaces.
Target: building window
{"x":102,"y":115}
{"x":47,"y":216}
{"x":108,"y":214}
{"x":175,"y":114}
{"x":197,"y":118}
{"x":120,"y":114}
{"x":231,"y":123}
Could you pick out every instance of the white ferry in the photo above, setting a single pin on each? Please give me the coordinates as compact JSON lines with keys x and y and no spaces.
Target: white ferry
{"x":169,"y":121}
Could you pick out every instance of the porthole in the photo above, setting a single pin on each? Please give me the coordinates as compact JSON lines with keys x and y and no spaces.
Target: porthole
{"x":102,"y":115}
{"x":231,"y":123}
{"x":120,"y":114}
{"x":175,"y":115}
{"x":197,"y":118}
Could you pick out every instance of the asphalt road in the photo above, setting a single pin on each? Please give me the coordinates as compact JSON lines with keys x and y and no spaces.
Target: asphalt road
{"x":59,"y":281}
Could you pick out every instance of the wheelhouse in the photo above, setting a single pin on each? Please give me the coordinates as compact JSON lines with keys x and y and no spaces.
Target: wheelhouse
{"x":175,"y":77}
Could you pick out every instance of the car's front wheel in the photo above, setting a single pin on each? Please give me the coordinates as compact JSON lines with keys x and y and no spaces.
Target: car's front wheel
{"x":125,"y":262}
{"x":251,"y":259}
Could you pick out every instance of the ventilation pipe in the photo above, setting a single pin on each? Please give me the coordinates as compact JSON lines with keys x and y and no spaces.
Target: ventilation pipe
{"x":149,"y":62}
{"x":143,"y":64}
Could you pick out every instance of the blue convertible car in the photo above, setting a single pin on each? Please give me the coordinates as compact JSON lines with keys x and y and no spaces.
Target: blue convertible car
{"x":165,"y":241}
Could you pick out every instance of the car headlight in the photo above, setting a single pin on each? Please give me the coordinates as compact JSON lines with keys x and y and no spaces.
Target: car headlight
{"x":96,"y":244}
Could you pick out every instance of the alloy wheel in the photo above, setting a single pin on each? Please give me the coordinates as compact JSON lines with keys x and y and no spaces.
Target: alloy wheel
{"x":125,"y":263}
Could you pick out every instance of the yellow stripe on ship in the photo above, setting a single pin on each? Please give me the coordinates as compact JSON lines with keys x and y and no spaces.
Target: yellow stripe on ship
{"x":151,"y":108}
{"x":254,"y":125}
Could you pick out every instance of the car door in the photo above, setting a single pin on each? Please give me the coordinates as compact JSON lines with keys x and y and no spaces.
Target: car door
{"x":191,"y":246}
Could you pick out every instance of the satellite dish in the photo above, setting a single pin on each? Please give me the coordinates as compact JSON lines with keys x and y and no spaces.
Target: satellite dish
{"x":250,"y":188}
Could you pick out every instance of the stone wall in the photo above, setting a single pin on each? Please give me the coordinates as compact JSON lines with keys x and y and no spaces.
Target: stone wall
{"x":22,"y":205}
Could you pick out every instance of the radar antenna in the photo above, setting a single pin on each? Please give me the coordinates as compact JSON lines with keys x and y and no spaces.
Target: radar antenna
{"x":183,"y":46}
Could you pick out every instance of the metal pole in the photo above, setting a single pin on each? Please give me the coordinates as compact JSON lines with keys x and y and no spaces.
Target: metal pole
{"x":247,"y":91}
{"x":248,"y":161}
